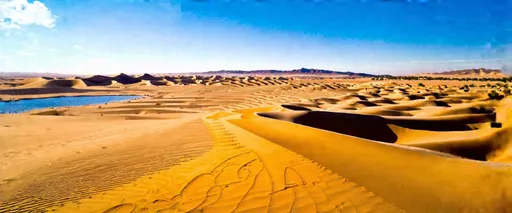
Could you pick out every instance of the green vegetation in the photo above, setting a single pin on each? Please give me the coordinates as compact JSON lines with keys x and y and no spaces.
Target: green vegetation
{"x":507,"y":91}
{"x":493,"y":95}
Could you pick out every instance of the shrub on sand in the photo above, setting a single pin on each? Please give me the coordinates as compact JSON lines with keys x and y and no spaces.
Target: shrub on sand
{"x":493,"y":95}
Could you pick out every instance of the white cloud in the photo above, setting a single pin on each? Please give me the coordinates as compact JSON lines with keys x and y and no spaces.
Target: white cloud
{"x":4,"y":57}
{"x":22,"y":53}
{"x":78,"y":47}
{"x":14,"y":13}
{"x":53,"y":50}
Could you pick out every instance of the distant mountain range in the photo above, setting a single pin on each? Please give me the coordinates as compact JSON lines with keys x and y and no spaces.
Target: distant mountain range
{"x":296,"y":72}
{"x":34,"y":75}
{"x":303,"y":72}
{"x":481,"y":72}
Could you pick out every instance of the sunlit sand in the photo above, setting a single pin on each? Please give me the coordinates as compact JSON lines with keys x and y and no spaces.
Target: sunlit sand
{"x":240,"y":144}
{"x":367,"y":106}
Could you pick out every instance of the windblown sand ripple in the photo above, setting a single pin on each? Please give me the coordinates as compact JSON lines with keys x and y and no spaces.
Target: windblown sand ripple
{"x":301,"y":147}
{"x":241,"y":174}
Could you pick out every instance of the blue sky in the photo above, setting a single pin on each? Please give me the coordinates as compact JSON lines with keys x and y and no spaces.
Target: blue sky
{"x":164,"y":36}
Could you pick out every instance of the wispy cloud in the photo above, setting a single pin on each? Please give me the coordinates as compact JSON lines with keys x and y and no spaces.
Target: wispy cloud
{"x":53,"y":50}
{"x":5,"y":57}
{"x":14,"y":13}
{"x":22,"y":53}
{"x":78,"y":47}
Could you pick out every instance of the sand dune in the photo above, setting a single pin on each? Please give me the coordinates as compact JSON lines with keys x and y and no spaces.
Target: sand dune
{"x":150,"y":80}
{"x":44,"y":83}
{"x":98,"y":80}
{"x":396,"y":169}
{"x":126,"y":79}
{"x":149,"y":77}
{"x":278,"y":145}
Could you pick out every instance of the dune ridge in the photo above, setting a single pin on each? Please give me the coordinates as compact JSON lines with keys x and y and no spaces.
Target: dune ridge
{"x":242,"y":176}
{"x":397,"y":169}
{"x":150,"y":80}
{"x":306,"y":146}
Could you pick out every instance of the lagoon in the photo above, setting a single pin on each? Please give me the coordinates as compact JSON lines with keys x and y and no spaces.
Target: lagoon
{"x":41,"y":103}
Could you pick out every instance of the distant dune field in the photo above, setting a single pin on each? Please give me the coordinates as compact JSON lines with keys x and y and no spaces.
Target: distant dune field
{"x":258,"y":144}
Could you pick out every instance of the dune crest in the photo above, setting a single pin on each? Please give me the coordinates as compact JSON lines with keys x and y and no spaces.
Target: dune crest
{"x":241,"y":176}
{"x":278,"y":145}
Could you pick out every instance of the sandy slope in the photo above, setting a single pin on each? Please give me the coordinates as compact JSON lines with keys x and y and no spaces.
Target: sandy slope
{"x":239,"y":176}
{"x":306,"y":146}
{"x":42,"y":144}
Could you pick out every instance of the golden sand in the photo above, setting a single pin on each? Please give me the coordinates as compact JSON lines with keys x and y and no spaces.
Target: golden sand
{"x":299,"y":147}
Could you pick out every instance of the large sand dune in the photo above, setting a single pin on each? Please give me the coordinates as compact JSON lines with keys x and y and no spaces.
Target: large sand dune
{"x":262,"y":144}
{"x":55,"y":83}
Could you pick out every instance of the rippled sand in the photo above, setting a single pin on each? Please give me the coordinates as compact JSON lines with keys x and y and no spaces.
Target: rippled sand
{"x":298,"y":147}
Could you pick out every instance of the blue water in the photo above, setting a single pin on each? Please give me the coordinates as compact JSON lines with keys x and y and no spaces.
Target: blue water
{"x":41,"y":103}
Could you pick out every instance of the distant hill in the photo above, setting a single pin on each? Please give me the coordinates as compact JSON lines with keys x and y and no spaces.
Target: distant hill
{"x":296,"y":72}
{"x":303,"y":72}
{"x":306,"y":72}
{"x":481,"y":73}
{"x":33,"y":75}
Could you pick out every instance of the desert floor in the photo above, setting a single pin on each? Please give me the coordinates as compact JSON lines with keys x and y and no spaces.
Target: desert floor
{"x":285,"y":146}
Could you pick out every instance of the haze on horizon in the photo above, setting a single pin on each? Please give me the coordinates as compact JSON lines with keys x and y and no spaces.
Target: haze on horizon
{"x":165,"y":36}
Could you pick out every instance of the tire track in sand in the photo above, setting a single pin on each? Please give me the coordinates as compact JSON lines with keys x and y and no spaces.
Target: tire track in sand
{"x":242,"y":173}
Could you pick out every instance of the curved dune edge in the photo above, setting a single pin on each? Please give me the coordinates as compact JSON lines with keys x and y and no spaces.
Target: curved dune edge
{"x":480,"y":144}
{"x":262,"y":164}
{"x":242,"y":174}
{"x":413,"y":179}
